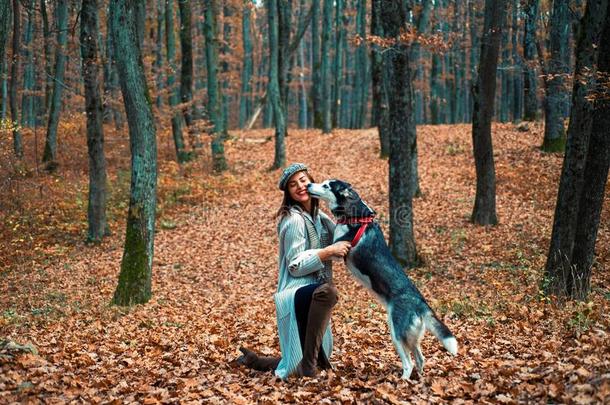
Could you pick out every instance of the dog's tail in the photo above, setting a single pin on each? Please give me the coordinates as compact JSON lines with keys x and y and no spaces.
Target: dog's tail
{"x":442,"y":332}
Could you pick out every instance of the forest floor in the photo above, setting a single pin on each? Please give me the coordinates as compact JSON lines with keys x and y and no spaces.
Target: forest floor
{"x":215,"y":272}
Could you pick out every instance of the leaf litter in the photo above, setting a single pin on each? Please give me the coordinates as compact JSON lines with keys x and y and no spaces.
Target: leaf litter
{"x":215,"y":272}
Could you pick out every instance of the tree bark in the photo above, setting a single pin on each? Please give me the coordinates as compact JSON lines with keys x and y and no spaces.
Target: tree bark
{"x":186,"y":64}
{"x":327,"y":21}
{"x":484,"y":212}
{"x":316,"y":90}
{"x":27,"y":99}
{"x":398,"y":82}
{"x":158,"y":63}
{"x":50,"y":149}
{"x":245,"y":101}
{"x":530,"y":77}
{"x":96,"y":211}
{"x":362,"y":69}
{"x":174,"y":91}
{"x":562,"y":279}
{"x":17,"y":139}
{"x":340,"y":29}
{"x":5,"y":15}
{"x":48,"y":68}
{"x":380,"y":102}
{"x":274,"y":84}
{"x":557,"y":69}
{"x":134,"y":286}
{"x":211,"y":12}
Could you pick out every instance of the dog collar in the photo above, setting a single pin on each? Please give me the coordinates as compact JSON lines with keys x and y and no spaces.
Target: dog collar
{"x":363,"y":221}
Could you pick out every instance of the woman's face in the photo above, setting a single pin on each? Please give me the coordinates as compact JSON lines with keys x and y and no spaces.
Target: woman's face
{"x":297,"y":187}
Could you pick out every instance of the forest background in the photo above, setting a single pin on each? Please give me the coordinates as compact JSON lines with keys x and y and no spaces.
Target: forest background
{"x":214,"y":109}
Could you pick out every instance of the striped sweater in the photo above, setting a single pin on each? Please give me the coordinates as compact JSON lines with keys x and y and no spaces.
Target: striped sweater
{"x":297,"y":265}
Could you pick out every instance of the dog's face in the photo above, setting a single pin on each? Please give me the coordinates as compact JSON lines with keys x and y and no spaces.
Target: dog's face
{"x":341,"y":198}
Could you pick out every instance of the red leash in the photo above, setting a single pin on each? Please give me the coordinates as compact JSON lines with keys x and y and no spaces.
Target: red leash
{"x":364,"y":222}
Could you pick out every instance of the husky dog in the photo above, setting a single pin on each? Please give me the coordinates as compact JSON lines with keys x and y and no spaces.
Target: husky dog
{"x":371,"y":261}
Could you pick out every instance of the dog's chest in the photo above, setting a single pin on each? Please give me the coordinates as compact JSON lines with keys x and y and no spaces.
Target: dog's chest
{"x":340,"y":232}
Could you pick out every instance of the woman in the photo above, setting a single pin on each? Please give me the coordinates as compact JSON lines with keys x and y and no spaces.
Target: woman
{"x":305,"y":293}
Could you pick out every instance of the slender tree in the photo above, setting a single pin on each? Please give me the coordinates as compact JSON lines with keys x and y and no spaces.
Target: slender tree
{"x":48,"y":51}
{"x":15,"y":63}
{"x":398,"y":81}
{"x":186,"y":64}
{"x":96,"y":211}
{"x":530,"y":78}
{"x":557,"y":68}
{"x":27,"y":99}
{"x":380,"y":112}
{"x":340,"y":29}
{"x":158,"y":64}
{"x":517,"y":71}
{"x":274,"y":84}
{"x":245,"y":100}
{"x":325,"y":76}
{"x":484,"y":212}
{"x":562,"y":278}
{"x":134,"y":286}
{"x":214,"y":98}
{"x":5,"y":15}
{"x":50,"y":149}
{"x":362,"y":69}
{"x":227,"y":11}
{"x":174,"y":91}
{"x":316,"y":74}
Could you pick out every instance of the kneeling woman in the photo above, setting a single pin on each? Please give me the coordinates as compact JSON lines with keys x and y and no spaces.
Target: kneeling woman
{"x":305,"y":293}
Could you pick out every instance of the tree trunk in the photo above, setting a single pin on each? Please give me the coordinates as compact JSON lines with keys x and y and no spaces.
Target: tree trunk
{"x":530,"y":77}
{"x":27,"y":99}
{"x":245,"y":101}
{"x":174,"y":91}
{"x":484,"y":212}
{"x":17,"y":141}
{"x":186,"y":64}
{"x":158,"y":64}
{"x":50,"y":149}
{"x":274,"y":85}
{"x":211,"y":12}
{"x":327,"y":21}
{"x":338,"y":61}
{"x":226,"y":53}
{"x":380,"y":101}
{"x":517,"y":67}
{"x":397,"y":78}
{"x":134,"y":286}
{"x":362,"y":69}
{"x":5,"y":15}
{"x":557,"y":69}
{"x":96,"y":211}
{"x":111,"y":84}
{"x":316,"y":75}
{"x":475,"y":46}
{"x":48,"y":49}
{"x":559,"y":272}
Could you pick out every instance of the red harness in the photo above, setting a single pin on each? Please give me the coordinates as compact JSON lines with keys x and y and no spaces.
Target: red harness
{"x":364,"y":222}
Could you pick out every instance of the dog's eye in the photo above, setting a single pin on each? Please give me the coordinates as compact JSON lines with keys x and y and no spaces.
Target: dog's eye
{"x":325,"y":186}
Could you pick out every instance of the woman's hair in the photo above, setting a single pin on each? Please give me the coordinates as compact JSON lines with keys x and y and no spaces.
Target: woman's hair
{"x":288,"y":202}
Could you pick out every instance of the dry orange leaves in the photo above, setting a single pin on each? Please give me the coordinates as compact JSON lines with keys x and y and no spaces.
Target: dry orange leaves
{"x":215,"y":273}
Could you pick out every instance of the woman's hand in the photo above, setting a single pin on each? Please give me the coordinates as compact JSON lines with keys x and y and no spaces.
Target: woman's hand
{"x":336,"y":250}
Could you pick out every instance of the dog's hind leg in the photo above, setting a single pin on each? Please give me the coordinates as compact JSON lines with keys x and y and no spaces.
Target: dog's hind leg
{"x":419,"y":359}
{"x":405,"y":357}
{"x":401,"y":345}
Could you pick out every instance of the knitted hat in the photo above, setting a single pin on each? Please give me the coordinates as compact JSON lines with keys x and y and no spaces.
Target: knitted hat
{"x":288,"y":172}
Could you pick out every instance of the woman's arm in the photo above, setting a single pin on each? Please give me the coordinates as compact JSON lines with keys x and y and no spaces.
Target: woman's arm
{"x":293,"y":238}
